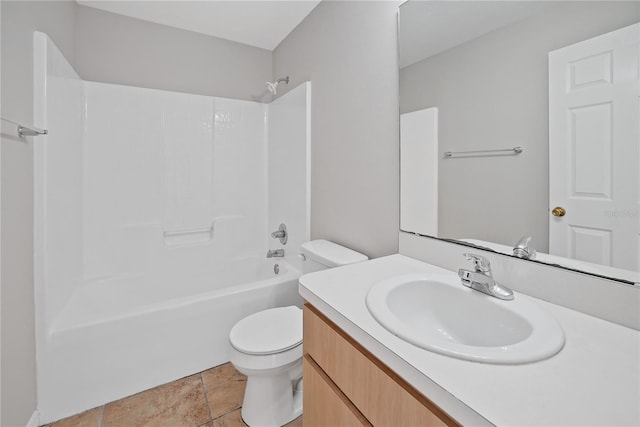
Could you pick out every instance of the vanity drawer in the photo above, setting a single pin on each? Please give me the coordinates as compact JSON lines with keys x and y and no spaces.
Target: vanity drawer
{"x":324,"y":404}
{"x":382,"y":396}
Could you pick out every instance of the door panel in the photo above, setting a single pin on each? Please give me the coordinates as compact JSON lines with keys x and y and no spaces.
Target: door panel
{"x":594,"y":149}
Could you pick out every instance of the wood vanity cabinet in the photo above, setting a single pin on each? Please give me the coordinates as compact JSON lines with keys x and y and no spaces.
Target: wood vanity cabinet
{"x":345,"y":385}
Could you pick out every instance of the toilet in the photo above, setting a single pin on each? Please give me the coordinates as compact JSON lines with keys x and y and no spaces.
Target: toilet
{"x":267,"y":347}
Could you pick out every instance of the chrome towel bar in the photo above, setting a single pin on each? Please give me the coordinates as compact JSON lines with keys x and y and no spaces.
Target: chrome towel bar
{"x":24,"y":130}
{"x":450,"y":154}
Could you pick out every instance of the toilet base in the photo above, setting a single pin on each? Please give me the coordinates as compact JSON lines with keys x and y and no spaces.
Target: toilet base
{"x":271,"y":402}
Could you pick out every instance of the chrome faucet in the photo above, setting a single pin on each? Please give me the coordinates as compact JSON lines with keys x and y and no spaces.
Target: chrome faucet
{"x":481,"y":279}
{"x":522,"y":249}
{"x":275,"y":253}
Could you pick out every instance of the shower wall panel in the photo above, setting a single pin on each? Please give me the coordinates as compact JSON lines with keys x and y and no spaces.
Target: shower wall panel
{"x":240,"y":178}
{"x":58,"y":177}
{"x":289,"y":181}
{"x":172,"y":180}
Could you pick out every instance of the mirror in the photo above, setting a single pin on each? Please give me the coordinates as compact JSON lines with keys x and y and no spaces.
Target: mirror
{"x":508,"y":96}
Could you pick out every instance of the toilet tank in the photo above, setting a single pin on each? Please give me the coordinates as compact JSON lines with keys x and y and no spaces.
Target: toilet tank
{"x":321,"y":254}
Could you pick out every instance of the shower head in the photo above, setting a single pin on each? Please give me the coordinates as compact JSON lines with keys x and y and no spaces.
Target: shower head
{"x":273,"y":86}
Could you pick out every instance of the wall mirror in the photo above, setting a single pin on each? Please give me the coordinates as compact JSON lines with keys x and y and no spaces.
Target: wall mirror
{"x":520,"y":118}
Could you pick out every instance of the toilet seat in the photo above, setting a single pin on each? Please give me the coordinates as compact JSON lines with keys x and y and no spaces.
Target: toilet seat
{"x":268,"y":332}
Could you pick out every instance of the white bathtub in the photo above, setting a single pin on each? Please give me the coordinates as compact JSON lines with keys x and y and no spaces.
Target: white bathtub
{"x":119,"y":336}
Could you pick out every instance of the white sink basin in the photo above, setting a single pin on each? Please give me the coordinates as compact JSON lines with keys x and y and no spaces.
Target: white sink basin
{"x":437,"y":313}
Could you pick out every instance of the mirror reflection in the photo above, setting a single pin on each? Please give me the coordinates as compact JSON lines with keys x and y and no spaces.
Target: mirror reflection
{"x":519,"y":129}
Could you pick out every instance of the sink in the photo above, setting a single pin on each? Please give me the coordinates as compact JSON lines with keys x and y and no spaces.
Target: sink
{"x":437,"y":313}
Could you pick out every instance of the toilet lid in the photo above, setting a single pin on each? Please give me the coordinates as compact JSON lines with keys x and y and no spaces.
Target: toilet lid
{"x":269,"y":331}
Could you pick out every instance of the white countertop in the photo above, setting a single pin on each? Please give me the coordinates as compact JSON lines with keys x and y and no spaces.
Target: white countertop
{"x":593,"y":380}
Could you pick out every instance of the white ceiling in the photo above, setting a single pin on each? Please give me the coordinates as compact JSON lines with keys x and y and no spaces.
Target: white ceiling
{"x":262,"y":24}
{"x":430,"y":27}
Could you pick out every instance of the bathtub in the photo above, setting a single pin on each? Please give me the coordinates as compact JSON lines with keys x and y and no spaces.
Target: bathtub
{"x":102,"y":347}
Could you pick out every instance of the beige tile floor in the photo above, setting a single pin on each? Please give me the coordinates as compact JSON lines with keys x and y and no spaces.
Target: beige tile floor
{"x":212,"y":398}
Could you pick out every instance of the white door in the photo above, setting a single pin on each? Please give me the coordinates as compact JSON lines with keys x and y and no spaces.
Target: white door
{"x":594,"y":150}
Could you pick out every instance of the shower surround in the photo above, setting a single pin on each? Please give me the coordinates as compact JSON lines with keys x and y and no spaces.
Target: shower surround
{"x":153,"y":213}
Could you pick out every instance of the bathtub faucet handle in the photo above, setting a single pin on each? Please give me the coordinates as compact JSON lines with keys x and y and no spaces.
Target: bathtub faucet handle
{"x":281,"y":233}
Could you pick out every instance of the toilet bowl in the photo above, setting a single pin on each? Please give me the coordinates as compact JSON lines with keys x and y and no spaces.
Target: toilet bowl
{"x":267,"y":347}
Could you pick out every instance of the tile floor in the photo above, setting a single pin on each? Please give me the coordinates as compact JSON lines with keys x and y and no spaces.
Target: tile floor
{"x":212,"y":398}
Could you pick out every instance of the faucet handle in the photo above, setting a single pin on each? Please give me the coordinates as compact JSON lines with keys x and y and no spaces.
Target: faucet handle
{"x":523,"y":242}
{"x":522,"y":249}
{"x":481,"y":264}
{"x":281,"y":234}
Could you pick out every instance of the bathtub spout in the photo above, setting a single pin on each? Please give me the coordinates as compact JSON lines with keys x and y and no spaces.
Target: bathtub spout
{"x":275,"y":253}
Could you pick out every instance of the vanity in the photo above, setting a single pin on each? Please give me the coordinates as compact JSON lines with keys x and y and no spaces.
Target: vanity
{"x":347,"y":385}
{"x":359,"y":373}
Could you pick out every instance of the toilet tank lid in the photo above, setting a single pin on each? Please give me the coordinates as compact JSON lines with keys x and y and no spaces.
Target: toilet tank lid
{"x":331,"y":254}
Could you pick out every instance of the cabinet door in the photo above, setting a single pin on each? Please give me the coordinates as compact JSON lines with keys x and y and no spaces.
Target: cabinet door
{"x":324,"y":404}
{"x":382,"y":396}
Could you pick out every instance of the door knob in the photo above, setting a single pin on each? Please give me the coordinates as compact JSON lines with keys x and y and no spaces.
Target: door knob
{"x":558,"y":211}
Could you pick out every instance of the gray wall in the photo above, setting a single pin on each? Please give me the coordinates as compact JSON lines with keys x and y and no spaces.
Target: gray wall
{"x":117,"y":49}
{"x":492,"y":93}
{"x":19,"y":20}
{"x":348,"y":51}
